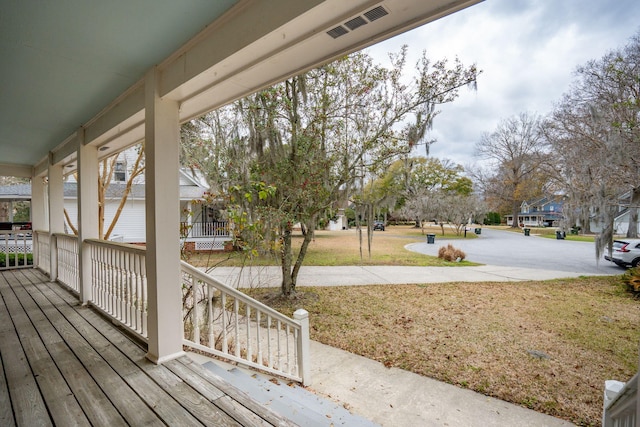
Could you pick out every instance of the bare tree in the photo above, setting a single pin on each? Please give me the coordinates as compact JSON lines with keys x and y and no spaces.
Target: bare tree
{"x":596,"y":134}
{"x":517,"y":151}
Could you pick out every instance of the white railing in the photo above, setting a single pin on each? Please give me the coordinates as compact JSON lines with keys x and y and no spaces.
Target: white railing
{"x":223,"y":321}
{"x":16,"y":249}
{"x":205,"y":229}
{"x":119,"y":283}
{"x":67,"y":250}
{"x":43,"y":251}
{"x":218,"y":319}
{"x":620,"y":403}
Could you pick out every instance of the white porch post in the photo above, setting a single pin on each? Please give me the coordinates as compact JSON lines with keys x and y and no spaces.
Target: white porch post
{"x":162,"y":200}
{"x":87,"y":211}
{"x":56,"y":213}
{"x":38,"y":217}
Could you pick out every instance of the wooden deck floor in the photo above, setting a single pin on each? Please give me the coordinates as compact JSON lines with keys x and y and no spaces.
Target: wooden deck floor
{"x":64,"y":364}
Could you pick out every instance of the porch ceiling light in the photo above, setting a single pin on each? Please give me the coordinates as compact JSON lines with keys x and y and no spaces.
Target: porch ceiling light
{"x":103,"y":148}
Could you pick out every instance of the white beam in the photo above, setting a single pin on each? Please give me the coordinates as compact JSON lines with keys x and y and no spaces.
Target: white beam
{"x":162,"y":200}
{"x":22,"y":171}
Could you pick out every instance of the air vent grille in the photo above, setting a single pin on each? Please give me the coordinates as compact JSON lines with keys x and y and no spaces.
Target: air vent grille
{"x":356,"y":22}
{"x":371,"y":15}
{"x":337,"y":31}
{"x":376,"y":13}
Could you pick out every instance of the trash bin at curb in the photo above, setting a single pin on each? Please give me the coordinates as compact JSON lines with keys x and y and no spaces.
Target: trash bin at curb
{"x":560,"y":235}
{"x":431,"y":238}
{"x":527,"y":231}
{"x":478,"y":231}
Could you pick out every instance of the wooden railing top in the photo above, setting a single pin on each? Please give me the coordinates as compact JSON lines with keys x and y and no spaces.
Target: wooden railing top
{"x":125,"y":247}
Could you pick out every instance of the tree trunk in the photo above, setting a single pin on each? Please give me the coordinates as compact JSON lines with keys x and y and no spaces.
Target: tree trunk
{"x":632,"y":231}
{"x":308,"y":236}
{"x":288,"y":285}
{"x":515,"y":211}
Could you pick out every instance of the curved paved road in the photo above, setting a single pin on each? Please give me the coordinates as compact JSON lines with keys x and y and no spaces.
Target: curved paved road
{"x":509,"y":249}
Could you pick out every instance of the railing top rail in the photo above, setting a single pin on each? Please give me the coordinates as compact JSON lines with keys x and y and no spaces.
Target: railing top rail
{"x":237,"y":294}
{"x":125,"y":247}
{"x":65,"y":235}
{"x":15,"y":231}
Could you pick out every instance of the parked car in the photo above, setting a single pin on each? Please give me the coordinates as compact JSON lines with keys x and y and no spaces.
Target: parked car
{"x":378,"y":225}
{"x":626,"y":253}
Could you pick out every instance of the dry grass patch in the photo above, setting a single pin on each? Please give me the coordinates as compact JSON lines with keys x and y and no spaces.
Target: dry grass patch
{"x":548,"y":346}
{"x":331,"y":248}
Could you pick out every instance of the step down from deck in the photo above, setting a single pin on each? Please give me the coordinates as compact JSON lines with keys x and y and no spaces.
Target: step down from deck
{"x":291,"y":401}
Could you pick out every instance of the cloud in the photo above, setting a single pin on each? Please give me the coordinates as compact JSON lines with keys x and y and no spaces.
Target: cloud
{"x":528,"y":51}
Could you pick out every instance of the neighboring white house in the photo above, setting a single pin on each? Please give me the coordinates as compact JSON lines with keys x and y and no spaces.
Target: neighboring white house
{"x":621,"y":220}
{"x":202,"y":227}
{"x":130,"y":227}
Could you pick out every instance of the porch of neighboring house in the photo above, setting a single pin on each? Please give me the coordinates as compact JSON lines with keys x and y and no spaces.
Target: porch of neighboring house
{"x":202,"y":227}
{"x":65,"y":364}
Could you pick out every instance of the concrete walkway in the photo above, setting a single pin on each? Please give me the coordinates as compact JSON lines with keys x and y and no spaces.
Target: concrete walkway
{"x":384,"y":275}
{"x":394,"y":397}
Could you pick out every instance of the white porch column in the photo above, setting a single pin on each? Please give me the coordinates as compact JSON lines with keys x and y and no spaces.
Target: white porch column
{"x":162,"y":200}
{"x":56,"y":213}
{"x":87,"y":211}
{"x":38,"y":217}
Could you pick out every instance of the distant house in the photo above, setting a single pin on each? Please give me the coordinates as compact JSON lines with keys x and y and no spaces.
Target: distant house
{"x":202,"y":227}
{"x":543,"y":212}
{"x":621,"y":220}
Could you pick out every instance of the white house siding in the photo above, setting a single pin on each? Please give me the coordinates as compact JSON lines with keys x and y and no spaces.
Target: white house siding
{"x":130,"y":225}
{"x":620,"y":225}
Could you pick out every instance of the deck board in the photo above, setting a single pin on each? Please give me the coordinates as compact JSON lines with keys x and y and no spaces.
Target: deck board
{"x":90,"y":397}
{"x":65,"y":364}
{"x":26,"y":401}
{"x":194,"y":402}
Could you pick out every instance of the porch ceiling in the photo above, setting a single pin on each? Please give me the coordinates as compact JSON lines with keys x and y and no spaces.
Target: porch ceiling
{"x":82,"y":63}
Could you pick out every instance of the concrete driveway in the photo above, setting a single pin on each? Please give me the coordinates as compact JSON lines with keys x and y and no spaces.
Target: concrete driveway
{"x":509,"y":249}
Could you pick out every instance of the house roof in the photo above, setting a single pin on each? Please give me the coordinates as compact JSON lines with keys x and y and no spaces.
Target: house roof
{"x":76,"y":70}
{"x":15,"y":192}
{"x":114,"y":191}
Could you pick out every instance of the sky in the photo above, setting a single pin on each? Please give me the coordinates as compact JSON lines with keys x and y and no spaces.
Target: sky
{"x":528,"y":51}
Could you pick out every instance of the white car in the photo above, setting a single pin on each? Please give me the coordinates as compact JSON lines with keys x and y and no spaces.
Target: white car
{"x":626,"y":253}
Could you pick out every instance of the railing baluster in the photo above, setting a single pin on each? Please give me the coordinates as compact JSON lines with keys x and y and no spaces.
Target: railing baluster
{"x":223,"y":326}
{"x":288,"y":359}
{"x":194,"y":310}
{"x":210,"y":337}
{"x":236,"y":326}
{"x":279,"y":360}
{"x":258,"y":343}
{"x":269,"y":358}
{"x":138,"y":296}
{"x":247,"y":312}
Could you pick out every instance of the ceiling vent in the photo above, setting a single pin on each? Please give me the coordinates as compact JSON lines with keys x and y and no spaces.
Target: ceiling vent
{"x":376,"y":13}
{"x":358,"y":21}
{"x":337,"y":31}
